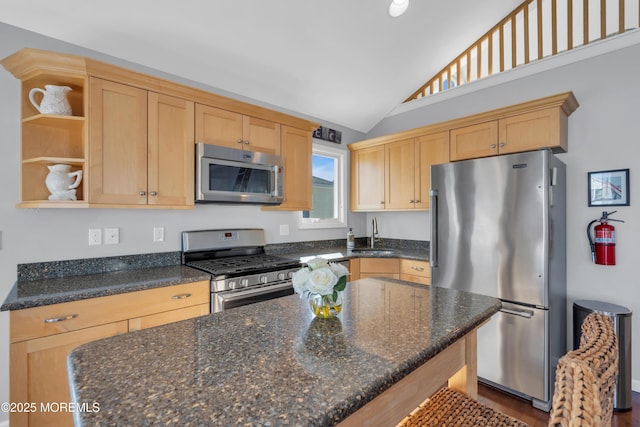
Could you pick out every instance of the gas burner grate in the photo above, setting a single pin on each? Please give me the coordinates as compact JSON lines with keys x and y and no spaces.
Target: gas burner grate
{"x":241,"y":264}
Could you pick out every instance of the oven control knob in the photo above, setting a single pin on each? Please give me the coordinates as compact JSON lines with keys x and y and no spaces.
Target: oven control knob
{"x":244,"y":283}
{"x":232,"y":284}
{"x":290,"y":274}
{"x":264,"y":279}
{"x":282,"y":275}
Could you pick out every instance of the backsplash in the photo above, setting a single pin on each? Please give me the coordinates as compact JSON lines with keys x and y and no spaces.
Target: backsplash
{"x":80,"y":267}
{"x":361,"y":242}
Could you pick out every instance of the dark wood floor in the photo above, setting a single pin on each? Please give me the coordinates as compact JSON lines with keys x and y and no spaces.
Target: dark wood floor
{"x":522,"y":409}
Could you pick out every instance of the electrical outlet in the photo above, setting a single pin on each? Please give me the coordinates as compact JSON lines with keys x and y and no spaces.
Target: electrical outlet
{"x":95,"y":236}
{"x":111,"y":236}
{"x":158,"y":234}
{"x":284,"y":229}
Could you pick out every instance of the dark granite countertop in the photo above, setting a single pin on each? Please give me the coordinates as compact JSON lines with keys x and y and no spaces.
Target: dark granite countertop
{"x":272,"y":363}
{"x":34,"y":293}
{"x":63,"y":281}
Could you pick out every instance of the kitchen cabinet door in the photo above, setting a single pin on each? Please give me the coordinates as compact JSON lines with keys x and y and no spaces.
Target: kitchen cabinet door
{"x":216,"y":126}
{"x":117,"y":143}
{"x":39,"y":373}
{"x":296,"y":149}
{"x":400,"y":172}
{"x":261,"y":135}
{"x":532,"y":131}
{"x":474,"y":141}
{"x":430,"y":150}
{"x":367,"y":179}
{"x":170,"y":159}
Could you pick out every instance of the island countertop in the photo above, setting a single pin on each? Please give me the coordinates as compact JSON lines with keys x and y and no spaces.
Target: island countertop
{"x":272,"y":363}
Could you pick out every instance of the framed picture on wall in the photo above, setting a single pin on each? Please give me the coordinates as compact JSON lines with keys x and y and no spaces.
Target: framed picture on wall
{"x":609,"y":188}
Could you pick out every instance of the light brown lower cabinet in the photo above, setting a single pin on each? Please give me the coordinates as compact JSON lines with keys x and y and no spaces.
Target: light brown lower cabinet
{"x":395,"y":268}
{"x":415,"y":271}
{"x":42,"y":338}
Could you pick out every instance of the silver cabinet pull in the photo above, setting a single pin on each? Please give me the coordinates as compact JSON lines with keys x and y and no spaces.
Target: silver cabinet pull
{"x":493,"y":145}
{"x":413,"y":267}
{"x":153,"y":193}
{"x":502,"y":144}
{"x":181,"y":296}
{"x":142,"y":193}
{"x":60,"y":319}
{"x":239,"y":141}
{"x":246,"y":141}
{"x":417,"y":201}
{"x":412,"y":201}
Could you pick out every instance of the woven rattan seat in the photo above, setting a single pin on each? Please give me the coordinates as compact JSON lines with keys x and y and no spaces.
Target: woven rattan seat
{"x":585,"y":381}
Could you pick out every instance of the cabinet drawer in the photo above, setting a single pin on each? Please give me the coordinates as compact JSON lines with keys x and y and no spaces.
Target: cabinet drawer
{"x":415,"y":268}
{"x":165,"y":317}
{"x":379,"y":265}
{"x":69,"y":316}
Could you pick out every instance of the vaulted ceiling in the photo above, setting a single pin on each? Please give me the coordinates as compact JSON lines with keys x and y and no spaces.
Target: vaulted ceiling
{"x":346,"y":62}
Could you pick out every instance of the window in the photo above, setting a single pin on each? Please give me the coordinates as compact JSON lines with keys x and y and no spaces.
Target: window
{"x":328,"y":174}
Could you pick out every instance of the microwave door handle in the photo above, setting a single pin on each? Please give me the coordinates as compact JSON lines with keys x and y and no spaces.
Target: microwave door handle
{"x":276,"y":176}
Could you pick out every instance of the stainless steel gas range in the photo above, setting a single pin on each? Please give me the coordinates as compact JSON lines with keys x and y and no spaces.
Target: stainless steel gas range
{"x":242,"y":273}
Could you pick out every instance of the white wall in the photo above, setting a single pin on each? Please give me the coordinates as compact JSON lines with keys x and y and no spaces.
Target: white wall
{"x":603,"y":135}
{"x":32,"y":235}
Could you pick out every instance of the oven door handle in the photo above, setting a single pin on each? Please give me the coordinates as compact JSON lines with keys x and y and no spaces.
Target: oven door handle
{"x":234,"y":296}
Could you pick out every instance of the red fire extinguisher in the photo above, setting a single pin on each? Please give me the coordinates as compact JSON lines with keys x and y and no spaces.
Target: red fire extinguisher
{"x":603,"y":246}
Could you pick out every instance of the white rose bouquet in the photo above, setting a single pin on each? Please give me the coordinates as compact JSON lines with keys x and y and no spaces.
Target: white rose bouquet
{"x":320,"y":277}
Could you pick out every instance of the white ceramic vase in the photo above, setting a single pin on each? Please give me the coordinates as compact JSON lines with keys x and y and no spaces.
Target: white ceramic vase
{"x":54,"y":100}
{"x":61,"y":182}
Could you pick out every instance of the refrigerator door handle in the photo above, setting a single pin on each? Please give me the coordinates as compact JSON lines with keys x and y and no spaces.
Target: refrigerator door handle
{"x":522,"y":313}
{"x":433,"y":256}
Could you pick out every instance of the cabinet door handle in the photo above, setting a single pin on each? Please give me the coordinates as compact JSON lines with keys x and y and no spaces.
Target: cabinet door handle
{"x":246,"y":141}
{"x":239,"y":141}
{"x":493,"y":145}
{"x":502,"y":144}
{"x":181,"y":296}
{"x":142,"y":193}
{"x":153,"y":193}
{"x":412,"y":201}
{"x":417,"y":201}
{"x":413,"y":267}
{"x":60,"y":319}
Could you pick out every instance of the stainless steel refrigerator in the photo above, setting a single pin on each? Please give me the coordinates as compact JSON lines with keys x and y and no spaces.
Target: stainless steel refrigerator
{"x":498,"y":229}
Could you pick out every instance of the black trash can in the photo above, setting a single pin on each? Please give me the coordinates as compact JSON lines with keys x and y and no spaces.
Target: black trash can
{"x":621,"y":317}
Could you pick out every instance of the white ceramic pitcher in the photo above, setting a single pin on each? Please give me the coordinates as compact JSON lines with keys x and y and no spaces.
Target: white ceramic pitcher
{"x":62,"y":183}
{"x":54,"y":100}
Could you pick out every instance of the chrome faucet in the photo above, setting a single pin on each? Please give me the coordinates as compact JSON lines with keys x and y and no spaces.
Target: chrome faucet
{"x":374,"y":231}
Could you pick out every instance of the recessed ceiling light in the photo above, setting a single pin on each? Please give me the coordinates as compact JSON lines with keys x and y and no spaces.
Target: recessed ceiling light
{"x":398,"y":7}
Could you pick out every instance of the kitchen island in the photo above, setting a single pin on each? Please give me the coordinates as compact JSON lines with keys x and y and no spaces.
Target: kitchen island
{"x":273,"y":363}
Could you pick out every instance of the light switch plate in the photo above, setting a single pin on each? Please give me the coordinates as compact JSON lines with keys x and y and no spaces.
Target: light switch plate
{"x":111,"y":236}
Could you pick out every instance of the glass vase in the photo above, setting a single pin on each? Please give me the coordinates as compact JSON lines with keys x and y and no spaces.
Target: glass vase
{"x":324,"y":306}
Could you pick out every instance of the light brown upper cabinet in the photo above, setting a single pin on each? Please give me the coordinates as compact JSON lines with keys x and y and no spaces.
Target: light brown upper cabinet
{"x":367,"y":179}
{"x":474,"y":141}
{"x":296,"y":149}
{"x":216,"y":126}
{"x":402,"y":168}
{"x":132,"y":135}
{"x":141,"y":147}
{"x":545,"y":128}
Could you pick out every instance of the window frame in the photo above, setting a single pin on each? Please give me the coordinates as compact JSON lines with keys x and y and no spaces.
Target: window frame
{"x":340,"y":186}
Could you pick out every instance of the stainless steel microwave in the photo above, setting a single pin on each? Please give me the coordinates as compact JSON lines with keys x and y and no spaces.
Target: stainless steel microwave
{"x":228,"y":175}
